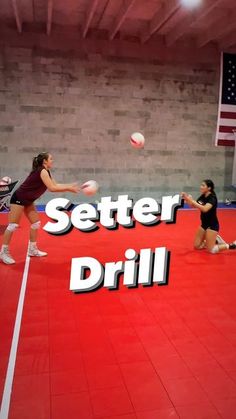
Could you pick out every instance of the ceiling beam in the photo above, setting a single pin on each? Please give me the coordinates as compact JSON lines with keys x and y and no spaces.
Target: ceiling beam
{"x":89,"y":16}
{"x":204,"y":10}
{"x":178,"y":31}
{"x":162,"y":15}
{"x":228,"y":41}
{"x":49,"y":19}
{"x":17,"y":15}
{"x":126,"y":6}
{"x":192,"y":18}
{"x":217,"y":30}
{"x":174,"y":21}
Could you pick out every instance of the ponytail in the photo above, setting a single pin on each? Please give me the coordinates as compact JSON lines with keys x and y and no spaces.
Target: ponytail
{"x":211,"y":185}
{"x":38,"y":161}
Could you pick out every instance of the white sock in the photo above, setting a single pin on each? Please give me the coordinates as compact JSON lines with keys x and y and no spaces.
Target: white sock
{"x":4,"y":247}
{"x":32,"y":245}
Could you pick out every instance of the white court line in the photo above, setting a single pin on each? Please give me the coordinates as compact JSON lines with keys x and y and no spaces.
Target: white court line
{"x":12,"y":358}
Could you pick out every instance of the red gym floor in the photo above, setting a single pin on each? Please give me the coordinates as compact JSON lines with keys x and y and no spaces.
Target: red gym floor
{"x":158,"y":352}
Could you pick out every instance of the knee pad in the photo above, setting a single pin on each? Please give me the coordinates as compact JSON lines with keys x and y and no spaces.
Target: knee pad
{"x":36,"y":226}
{"x":215,"y":249}
{"x":12,"y":227}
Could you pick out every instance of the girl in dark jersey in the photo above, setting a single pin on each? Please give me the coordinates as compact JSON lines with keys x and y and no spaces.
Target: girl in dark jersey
{"x":22,"y":200}
{"x":207,"y":233}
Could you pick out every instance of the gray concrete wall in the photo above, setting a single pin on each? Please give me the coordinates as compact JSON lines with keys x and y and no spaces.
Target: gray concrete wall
{"x":83,"y":110}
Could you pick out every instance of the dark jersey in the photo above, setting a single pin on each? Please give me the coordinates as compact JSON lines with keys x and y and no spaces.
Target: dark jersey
{"x":32,"y":188}
{"x":209,"y":219}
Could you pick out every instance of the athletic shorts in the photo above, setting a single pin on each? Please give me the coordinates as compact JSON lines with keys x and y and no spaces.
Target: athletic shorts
{"x":17,"y":201}
{"x":214,"y":226}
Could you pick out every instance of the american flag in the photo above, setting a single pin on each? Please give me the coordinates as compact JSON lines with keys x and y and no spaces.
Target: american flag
{"x":226,"y":124}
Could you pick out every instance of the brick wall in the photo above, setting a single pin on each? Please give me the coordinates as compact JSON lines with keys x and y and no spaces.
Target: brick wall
{"x":83,"y":110}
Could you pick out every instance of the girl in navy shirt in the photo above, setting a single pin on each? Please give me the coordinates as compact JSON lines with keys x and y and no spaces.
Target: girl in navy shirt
{"x":207,"y":234}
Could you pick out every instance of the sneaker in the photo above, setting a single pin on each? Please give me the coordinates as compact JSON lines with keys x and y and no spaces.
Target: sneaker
{"x":7,"y":258}
{"x":232,"y":245}
{"x":34,"y":251}
{"x":219,"y":240}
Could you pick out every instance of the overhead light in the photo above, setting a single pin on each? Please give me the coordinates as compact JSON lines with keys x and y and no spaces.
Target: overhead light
{"x":191,"y":3}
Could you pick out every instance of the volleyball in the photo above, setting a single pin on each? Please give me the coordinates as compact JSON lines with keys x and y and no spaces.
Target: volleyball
{"x":90,"y":187}
{"x":6,"y":180}
{"x":137,"y":140}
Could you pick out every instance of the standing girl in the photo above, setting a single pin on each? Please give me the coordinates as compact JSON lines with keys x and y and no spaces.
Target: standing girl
{"x":22,"y":200}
